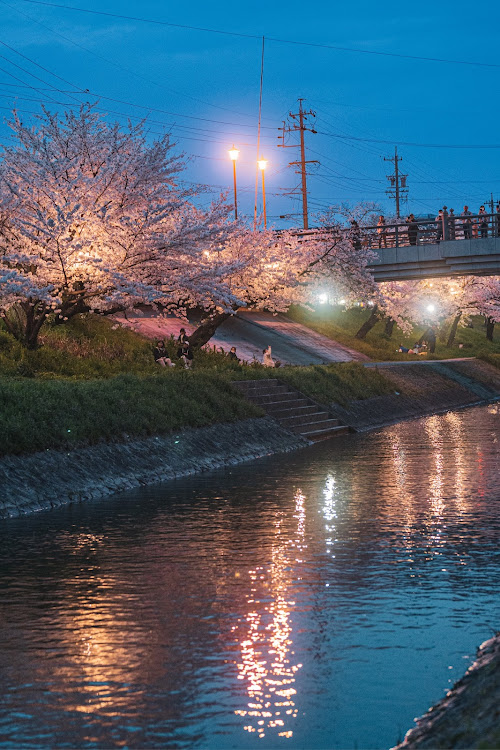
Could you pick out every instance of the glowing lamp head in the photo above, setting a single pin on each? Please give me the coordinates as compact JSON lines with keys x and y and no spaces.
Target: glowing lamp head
{"x":431,"y":308}
{"x":323,"y":299}
{"x":262,"y":164}
{"x":233,"y":153}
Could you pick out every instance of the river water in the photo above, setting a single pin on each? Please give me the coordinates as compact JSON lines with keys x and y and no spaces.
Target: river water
{"x":318,"y":599}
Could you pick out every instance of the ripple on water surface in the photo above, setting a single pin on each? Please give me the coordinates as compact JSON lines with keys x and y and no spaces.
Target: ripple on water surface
{"x":316,"y":599}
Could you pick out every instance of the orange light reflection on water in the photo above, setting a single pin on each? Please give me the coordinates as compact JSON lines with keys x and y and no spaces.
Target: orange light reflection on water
{"x":267,"y":665}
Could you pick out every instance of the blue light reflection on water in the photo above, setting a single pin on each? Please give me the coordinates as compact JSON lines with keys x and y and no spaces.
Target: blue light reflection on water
{"x":316,"y":599}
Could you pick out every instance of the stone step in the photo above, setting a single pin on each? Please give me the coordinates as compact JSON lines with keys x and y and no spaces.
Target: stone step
{"x":292,"y":409}
{"x":304,"y":418}
{"x":251,"y":385}
{"x":313,"y":425}
{"x":274,"y":397}
{"x":316,"y":435}
{"x":278,"y":408}
{"x":258,"y":392}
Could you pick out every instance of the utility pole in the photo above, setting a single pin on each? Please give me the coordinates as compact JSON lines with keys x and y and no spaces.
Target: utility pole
{"x":398,"y":189}
{"x":301,"y":126}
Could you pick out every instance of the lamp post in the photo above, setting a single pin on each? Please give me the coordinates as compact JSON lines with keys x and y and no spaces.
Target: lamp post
{"x":233,"y":155}
{"x":262,"y":166}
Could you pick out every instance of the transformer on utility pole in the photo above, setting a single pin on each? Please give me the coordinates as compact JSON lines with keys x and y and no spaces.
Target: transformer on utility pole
{"x":398,"y":190}
{"x":302,"y":116}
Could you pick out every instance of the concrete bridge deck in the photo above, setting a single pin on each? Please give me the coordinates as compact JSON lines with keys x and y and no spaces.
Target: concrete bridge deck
{"x":475,"y":257}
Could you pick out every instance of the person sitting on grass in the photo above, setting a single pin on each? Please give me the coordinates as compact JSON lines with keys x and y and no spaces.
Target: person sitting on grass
{"x":181,"y":339}
{"x":186,"y":355}
{"x":267,"y":359}
{"x":403,"y":349}
{"x":161,"y":355}
{"x":233,"y":355}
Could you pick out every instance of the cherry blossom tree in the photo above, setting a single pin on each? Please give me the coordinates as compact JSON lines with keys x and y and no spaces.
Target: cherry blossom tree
{"x":94,"y":218}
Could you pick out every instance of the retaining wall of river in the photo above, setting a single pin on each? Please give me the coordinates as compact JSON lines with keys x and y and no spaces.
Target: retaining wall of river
{"x":422,"y":389}
{"x":469,"y":715}
{"x":40,"y":481}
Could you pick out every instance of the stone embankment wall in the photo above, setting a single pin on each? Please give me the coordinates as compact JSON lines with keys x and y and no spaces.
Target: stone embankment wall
{"x":422,"y":389}
{"x":469,"y":715}
{"x":40,"y":481}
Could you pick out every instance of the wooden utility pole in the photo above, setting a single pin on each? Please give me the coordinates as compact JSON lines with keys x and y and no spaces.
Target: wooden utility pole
{"x":302,"y":116}
{"x":398,"y":189}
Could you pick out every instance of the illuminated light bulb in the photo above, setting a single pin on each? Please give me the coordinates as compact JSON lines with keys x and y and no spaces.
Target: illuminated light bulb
{"x":323,"y":298}
{"x":233,"y":153}
{"x":262,"y":163}
{"x":431,"y":308}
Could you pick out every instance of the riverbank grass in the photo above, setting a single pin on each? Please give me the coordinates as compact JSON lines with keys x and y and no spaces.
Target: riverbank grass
{"x":93,"y":381}
{"x":341,"y":325}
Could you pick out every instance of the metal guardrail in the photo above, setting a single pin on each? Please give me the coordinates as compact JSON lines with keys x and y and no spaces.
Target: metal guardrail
{"x":418,"y":231}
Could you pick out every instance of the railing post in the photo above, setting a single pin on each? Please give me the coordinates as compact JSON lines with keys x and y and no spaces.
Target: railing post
{"x":446,"y":226}
{"x":396,"y":237}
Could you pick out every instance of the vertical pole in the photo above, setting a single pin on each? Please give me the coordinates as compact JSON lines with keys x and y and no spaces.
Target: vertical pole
{"x":492,"y":205}
{"x":264,"y":198}
{"x":235,"y":198}
{"x":305,"y":219}
{"x":258,"y":135}
{"x":397,"y":179}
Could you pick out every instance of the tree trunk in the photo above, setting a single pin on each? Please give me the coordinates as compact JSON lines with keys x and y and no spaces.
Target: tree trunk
{"x":369,"y":324}
{"x":490,"y":326}
{"x":389,"y":327}
{"x":453,"y":329}
{"x":24,"y":321}
{"x":206,"y":329}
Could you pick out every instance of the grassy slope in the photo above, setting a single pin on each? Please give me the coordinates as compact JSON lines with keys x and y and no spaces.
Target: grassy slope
{"x":342,"y":326}
{"x":91,"y":381}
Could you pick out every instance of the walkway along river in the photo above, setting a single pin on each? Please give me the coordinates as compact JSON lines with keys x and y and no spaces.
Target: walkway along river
{"x":321,"y":598}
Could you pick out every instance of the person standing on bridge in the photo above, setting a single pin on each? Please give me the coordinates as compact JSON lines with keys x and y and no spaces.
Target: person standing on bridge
{"x":439,"y":222}
{"x":483,"y":222}
{"x":412,"y":229}
{"x":466,"y":223}
{"x":382,"y":232}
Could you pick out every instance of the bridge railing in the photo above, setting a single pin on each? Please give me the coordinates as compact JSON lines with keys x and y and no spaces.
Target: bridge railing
{"x":418,"y":231}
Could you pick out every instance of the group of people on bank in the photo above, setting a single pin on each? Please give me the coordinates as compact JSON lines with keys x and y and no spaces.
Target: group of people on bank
{"x":184,"y":352}
{"x":186,"y":358}
{"x":462,"y":226}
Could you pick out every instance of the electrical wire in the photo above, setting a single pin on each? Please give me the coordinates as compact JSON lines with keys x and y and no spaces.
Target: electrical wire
{"x":319,"y":45}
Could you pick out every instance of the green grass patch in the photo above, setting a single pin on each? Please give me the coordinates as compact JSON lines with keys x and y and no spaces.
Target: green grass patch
{"x":92,"y":381}
{"x":39,"y":414}
{"x":342,"y":325}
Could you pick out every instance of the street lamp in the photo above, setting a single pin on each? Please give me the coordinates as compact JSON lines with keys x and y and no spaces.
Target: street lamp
{"x":262,"y":166}
{"x":233,"y":155}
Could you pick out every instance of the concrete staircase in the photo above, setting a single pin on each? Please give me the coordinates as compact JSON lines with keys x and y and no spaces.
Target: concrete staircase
{"x":292,"y":409}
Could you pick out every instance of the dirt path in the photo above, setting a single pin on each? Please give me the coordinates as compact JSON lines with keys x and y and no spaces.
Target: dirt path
{"x":251,"y":332}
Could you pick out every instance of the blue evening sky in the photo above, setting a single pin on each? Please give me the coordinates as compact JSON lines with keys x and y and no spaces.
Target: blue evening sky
{"x":207,"y":88}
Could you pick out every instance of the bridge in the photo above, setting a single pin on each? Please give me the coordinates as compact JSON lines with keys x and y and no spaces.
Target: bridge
{"x":429,"y":248}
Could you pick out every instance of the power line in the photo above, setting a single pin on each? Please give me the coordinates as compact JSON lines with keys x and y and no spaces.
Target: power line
{"x":118,"y":65}
{"x":224,"y":32}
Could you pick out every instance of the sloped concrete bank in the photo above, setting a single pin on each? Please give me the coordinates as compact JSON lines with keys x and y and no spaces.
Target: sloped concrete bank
{"x":469,"y":715}
{"x":45,"y":480}
{"x":422,"y":389}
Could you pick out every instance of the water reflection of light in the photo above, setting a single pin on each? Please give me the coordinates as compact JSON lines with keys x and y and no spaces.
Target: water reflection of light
{"x":433,"y":427}
{"x":329,"y":510}
{"x":266,"y":665}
